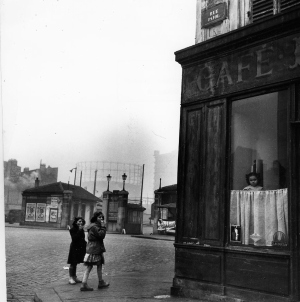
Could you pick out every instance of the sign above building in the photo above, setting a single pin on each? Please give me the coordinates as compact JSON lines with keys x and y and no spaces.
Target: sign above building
{"x":271,"y":62}
{"x":213,"y":15}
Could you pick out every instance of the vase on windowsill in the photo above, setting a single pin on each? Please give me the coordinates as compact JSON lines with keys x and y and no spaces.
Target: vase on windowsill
{"x":256,"y":237}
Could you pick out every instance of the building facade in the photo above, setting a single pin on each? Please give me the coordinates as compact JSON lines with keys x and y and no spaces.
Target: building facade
{"x":122,"y":216}
{"x":163,"y":210}
{"x":55,"y":205}
{"x":239,"y":157}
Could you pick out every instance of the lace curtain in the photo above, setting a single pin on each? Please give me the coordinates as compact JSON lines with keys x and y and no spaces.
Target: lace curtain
{"x":260,"y":214}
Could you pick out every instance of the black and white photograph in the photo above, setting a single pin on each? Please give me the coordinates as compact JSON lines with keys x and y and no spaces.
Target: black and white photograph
{"x":150,"y":149}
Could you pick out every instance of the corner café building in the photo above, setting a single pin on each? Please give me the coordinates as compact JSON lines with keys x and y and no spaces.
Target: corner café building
{"x":240,"y":113}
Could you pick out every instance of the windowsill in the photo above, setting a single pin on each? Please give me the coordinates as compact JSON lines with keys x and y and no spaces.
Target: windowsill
{"x":259,"y":249}
{"x":238,"y":248}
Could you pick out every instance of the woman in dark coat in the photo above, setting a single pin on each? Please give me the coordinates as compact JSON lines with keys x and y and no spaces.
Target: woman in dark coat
{"x":77,"y":248}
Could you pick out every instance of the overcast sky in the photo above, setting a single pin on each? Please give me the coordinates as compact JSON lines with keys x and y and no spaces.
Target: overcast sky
{"x":92,"y":80}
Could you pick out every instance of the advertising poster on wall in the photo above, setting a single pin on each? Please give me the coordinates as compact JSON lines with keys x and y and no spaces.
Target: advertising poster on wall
{"x":53,"y":215}
{"x":30,"y":212}
{"x":54,"y":202}
{"x":41,"y":212}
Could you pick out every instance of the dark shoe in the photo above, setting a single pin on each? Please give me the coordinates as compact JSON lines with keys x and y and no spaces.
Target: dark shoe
{"x":103,"y":284}
{"x":85,"y":288}
{"x":77,"y":280}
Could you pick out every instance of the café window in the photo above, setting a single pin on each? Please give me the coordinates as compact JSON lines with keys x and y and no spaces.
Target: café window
{"x":259,"y":165}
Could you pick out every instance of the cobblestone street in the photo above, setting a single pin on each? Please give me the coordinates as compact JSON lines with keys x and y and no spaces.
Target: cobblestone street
{"x":36,"y":257}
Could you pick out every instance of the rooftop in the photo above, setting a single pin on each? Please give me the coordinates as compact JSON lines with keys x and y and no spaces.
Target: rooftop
{"x":60,"y":187}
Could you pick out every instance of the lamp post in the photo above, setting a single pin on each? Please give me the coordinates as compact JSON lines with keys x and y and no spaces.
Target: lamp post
{"x":124,"y":176}
{"x":108,"y":180}
{"x":75,"y":174}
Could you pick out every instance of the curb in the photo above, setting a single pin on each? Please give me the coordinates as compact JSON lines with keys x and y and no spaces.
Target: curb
{"x":47,"y":294}
{"x":153,"y":238}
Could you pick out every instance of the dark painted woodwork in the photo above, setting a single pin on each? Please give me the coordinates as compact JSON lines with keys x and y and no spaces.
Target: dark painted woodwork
{"x":197,"y":265}
{"x":257,"y":273}
{"x":194,"y":125}
{"x":213,"y":187}
{"x":203,"y":190}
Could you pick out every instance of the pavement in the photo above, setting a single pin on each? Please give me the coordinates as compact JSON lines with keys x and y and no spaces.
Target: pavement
{"x":124,"y":286}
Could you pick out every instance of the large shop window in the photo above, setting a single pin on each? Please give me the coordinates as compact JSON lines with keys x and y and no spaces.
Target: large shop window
{"x":259,"y":165}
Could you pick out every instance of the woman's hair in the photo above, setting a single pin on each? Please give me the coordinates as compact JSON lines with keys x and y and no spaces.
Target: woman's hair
{"x":252,"y":174}
{"x":76,"y":219}
{"x":96,"y":215}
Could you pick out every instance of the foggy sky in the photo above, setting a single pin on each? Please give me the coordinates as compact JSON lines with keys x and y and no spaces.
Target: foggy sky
{"x":92,"y":80}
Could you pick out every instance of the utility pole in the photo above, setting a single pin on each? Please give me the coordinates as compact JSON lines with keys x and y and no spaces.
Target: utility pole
{"x":75,"y":176}
{"x":141,"y":201}
{"x":80,"y":177}
{"x":95,"y":182}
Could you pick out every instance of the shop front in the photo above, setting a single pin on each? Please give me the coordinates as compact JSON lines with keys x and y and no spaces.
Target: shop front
{"x":238,"y":172}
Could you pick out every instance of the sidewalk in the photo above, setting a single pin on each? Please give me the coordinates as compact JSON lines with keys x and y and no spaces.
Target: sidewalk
{"x":127,"y":287}
{"x":133,"y":286}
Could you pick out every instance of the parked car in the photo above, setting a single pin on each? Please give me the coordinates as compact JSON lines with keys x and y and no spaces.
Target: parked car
{"x":13,"y":216}
{"x":171,"y":230}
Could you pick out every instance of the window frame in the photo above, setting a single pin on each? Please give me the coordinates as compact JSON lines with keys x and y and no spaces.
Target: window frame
{"x":291,"y":90}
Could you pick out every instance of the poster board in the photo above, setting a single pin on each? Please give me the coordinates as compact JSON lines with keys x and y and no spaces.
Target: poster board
{"x":53,"y":215}
{"x":30,"y":212}
{"x":54,"y":202}
{"x":41,"y":212}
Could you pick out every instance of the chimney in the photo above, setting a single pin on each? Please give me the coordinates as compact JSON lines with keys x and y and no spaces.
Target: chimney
{"x":37,"y":182}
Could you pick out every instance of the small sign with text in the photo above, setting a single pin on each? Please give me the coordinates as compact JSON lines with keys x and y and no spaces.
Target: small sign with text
{"x":213,"y":15}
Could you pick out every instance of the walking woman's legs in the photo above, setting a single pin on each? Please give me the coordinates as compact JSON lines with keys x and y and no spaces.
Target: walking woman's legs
{"x":75,"y":275}
{"x":71,"y":274}
{"x":101,"y":283}
{"x":85,"y":287}
{"x":99,"y":272}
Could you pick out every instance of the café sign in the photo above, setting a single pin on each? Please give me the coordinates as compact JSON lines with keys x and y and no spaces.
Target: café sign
{"x":213,"y":15}
{"x":259,"y":65}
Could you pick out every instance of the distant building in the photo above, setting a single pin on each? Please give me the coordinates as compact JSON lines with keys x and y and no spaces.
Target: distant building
{"x":16,"y":181}
{"x":12,"y":170}
{"x":55,"y":205}
{"x":164,"y":206}
{"x":45,"y":174}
